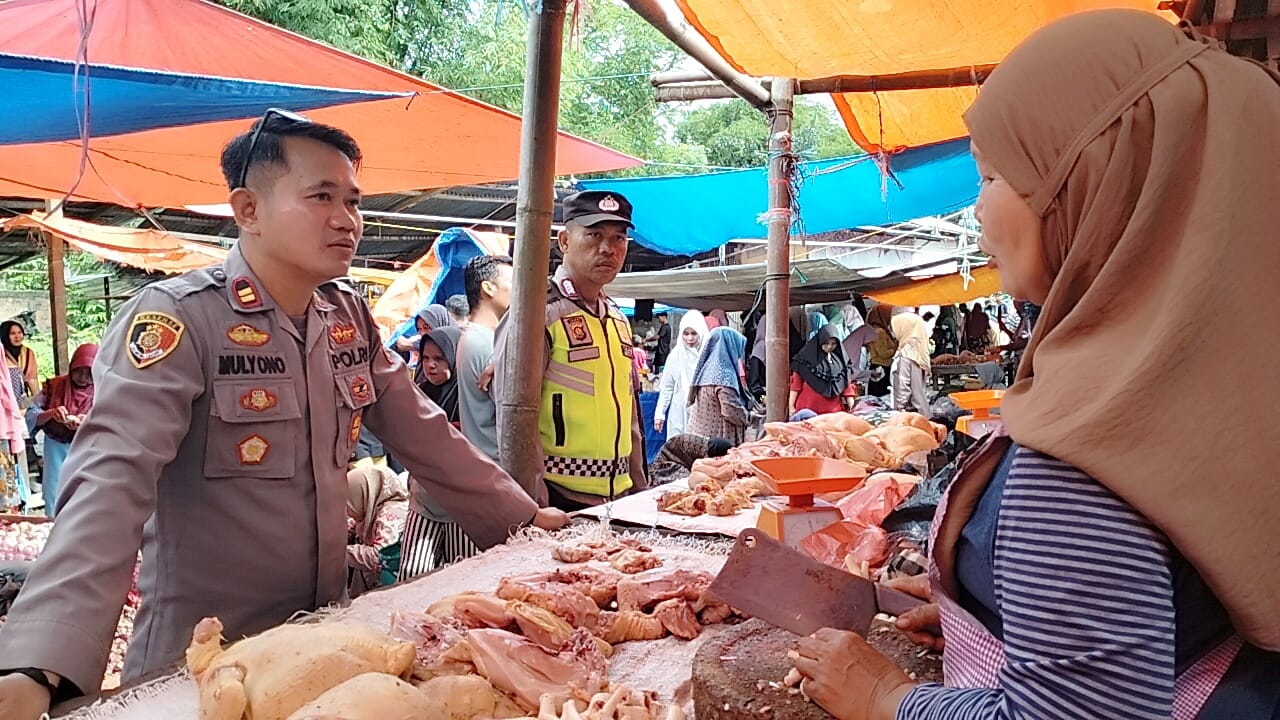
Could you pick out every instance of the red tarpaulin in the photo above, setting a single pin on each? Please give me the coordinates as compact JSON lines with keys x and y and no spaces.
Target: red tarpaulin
{"x":432,"y":140}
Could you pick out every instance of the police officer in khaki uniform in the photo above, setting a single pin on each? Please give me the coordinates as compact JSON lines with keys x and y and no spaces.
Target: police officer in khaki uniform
{"x":589,"y":420}
{"x":228,"y":403}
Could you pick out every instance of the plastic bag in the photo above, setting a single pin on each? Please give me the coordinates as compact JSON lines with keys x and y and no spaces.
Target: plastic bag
{"x":878,"y":496}
{"x":912,"y":519}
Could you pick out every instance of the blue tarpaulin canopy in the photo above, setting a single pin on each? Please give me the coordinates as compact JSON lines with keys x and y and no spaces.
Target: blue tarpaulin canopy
{"x":690,"y":214}
{"x":47,"y":97}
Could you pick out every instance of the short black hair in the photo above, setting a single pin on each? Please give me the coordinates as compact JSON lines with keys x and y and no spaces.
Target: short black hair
{"x":480,"y":269}
{"x":458,"y":306}
{"x":269,"y":150}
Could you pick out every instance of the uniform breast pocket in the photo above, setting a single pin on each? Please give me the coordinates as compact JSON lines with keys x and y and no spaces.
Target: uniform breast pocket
{"x":253,"y":430}
{"x":355,"y":395}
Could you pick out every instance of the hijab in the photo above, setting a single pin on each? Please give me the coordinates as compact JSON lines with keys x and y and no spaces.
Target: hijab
{"x":436,"y":316}
{"x":913,"y":339}
{"x":827,"y":373}
{"x":861,"y":333}
{"x":977,"y":324}
{"x":14,"y":352}
{"x":61,"y":392}
{"x":683,"y":359}
{"x":368,"y":489}
{"x":719,"y":316}
{"x":446,"y":393}
{"x":759,"y":346}
{"x":880,"y":317}
{"x":721,"y":363}
{"x":1149,"y":157}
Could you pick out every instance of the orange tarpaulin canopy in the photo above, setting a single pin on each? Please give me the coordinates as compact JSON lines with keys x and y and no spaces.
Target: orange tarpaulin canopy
{"x":808,"y":39}
{"x":435,"y":139}
{"x":145,"y":248}
{"x":943,"y":290}
{"x":409,"y":291}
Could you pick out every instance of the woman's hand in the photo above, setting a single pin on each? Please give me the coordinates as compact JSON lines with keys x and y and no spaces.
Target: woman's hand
{"x":363,"y":557}
{"x":921,"y":625}
{"x":658,"y":424}
{"x":849,"y":678}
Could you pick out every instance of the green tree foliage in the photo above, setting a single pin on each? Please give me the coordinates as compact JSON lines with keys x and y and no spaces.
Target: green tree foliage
{"x":478,"y":48}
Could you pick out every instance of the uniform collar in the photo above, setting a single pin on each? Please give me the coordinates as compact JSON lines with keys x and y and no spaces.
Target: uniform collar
{"x":564,"y":285}
{"x":245,"y":291}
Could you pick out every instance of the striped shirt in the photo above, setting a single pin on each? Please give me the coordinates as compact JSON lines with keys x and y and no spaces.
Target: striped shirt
{"x":1085,"y":592}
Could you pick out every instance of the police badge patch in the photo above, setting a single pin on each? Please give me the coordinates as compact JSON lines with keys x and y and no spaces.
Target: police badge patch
{"x":579,"y":333}
{"x":152,"y":337}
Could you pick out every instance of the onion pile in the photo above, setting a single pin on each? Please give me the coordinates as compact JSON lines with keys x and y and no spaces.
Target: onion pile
{"x":23,"y":541}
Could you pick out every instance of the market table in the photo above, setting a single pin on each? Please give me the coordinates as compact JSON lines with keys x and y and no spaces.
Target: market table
{"x":943,"y":375}
{"x":663,"y":666}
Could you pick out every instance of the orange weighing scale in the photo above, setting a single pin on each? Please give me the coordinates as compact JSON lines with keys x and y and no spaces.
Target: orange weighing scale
{"x":799,"y":479}
{"x":980,"y":403}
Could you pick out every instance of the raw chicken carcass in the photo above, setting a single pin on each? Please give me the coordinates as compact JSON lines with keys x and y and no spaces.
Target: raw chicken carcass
{"x":432,"y":638}
{"x":574,"y":607}
{"x":467,"y":697}
{"x":524,"y":670}
{"x":604,"y":550}
{"x":902,"y":440}
{"x":916,"y":420}
{"x":840,"y":422}
{"x":376,"y":696}
{"x":473,"y":610}
{"x":804,"y":439}
{"x":868,"y":451}
{"x":268,"y":676}
{"x":722,"y":470}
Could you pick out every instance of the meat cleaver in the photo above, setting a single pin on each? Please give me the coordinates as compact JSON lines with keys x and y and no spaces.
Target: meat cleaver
{"x":791,"y":590}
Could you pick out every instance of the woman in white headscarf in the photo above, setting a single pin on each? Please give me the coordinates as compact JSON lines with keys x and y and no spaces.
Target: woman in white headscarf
{"x":909,"y":375}
{"x":677,"y":376}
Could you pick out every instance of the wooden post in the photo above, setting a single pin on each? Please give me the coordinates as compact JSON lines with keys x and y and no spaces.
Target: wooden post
{"x":57,"y":297}
{"x":535,"y":205}
{"x":778,"y":269}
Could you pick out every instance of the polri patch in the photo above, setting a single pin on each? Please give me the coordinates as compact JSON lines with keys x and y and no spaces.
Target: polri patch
{"x":247,"y":294}
{"x":342,"y":333}
{"x":248,"y":335}
{"x":259,"y":400}
{"x":152,"y":337}
{"x":253,"y":450}
{"x":575,"y":326}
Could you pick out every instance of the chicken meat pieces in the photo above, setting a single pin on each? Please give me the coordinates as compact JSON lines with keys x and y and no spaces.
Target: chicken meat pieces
{"x":868,"y":451}
{"x":546,"y":628}
{"x":902,"y":440}
{"x":597,"y":584}
{"x":375,"y":696}
{"x":709,"y":498}
{"x":638,"y":556}
{"x":269,"y":676}
{"x":631,"y":561}
{"x":467,"y":697}
{"x":627,"y":625}
{"x":526,"y":672}
{"x":678,"y":618}
{"x":721,"y":469}
{"x":621,"y":703}
{"x":473,"y":610}
{"x":434,"y":640}
{"x":804,"y":439}
{"x":644,"y":591}
{"x":563,"y":601}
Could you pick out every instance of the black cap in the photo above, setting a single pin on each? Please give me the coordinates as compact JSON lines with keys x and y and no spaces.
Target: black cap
{"x":592,"y":207}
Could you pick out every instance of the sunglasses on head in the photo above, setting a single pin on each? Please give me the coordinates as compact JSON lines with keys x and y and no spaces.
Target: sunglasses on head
{"x":293,"y":118}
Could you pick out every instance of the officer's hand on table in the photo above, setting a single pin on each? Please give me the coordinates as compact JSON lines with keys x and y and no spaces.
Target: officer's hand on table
{"x":921,"y":625}
{"x":22,"y":698}
{"x":550,"y":518}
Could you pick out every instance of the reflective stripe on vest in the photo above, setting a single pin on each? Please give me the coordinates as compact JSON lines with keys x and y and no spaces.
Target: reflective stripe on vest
{"x":587,"y":404}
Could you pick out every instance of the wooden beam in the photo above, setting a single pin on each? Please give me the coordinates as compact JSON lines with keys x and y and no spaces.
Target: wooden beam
{"x":57,"y":297}
{"x":777,"y":279}
{"x":521,"y":447}
{"x":915,"y":80}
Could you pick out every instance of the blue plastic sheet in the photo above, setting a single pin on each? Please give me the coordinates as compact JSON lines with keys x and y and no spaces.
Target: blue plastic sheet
{"x":653,"y":439}
{"x":690,"y":214}
{"x":44,"y":96}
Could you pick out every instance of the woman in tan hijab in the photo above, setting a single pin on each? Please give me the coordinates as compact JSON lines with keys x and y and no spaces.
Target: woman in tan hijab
{"x":377,"y":505}
{"x":1114,"y":555}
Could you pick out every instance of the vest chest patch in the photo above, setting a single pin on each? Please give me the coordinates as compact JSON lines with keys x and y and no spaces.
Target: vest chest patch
{"x":578,"y":331}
